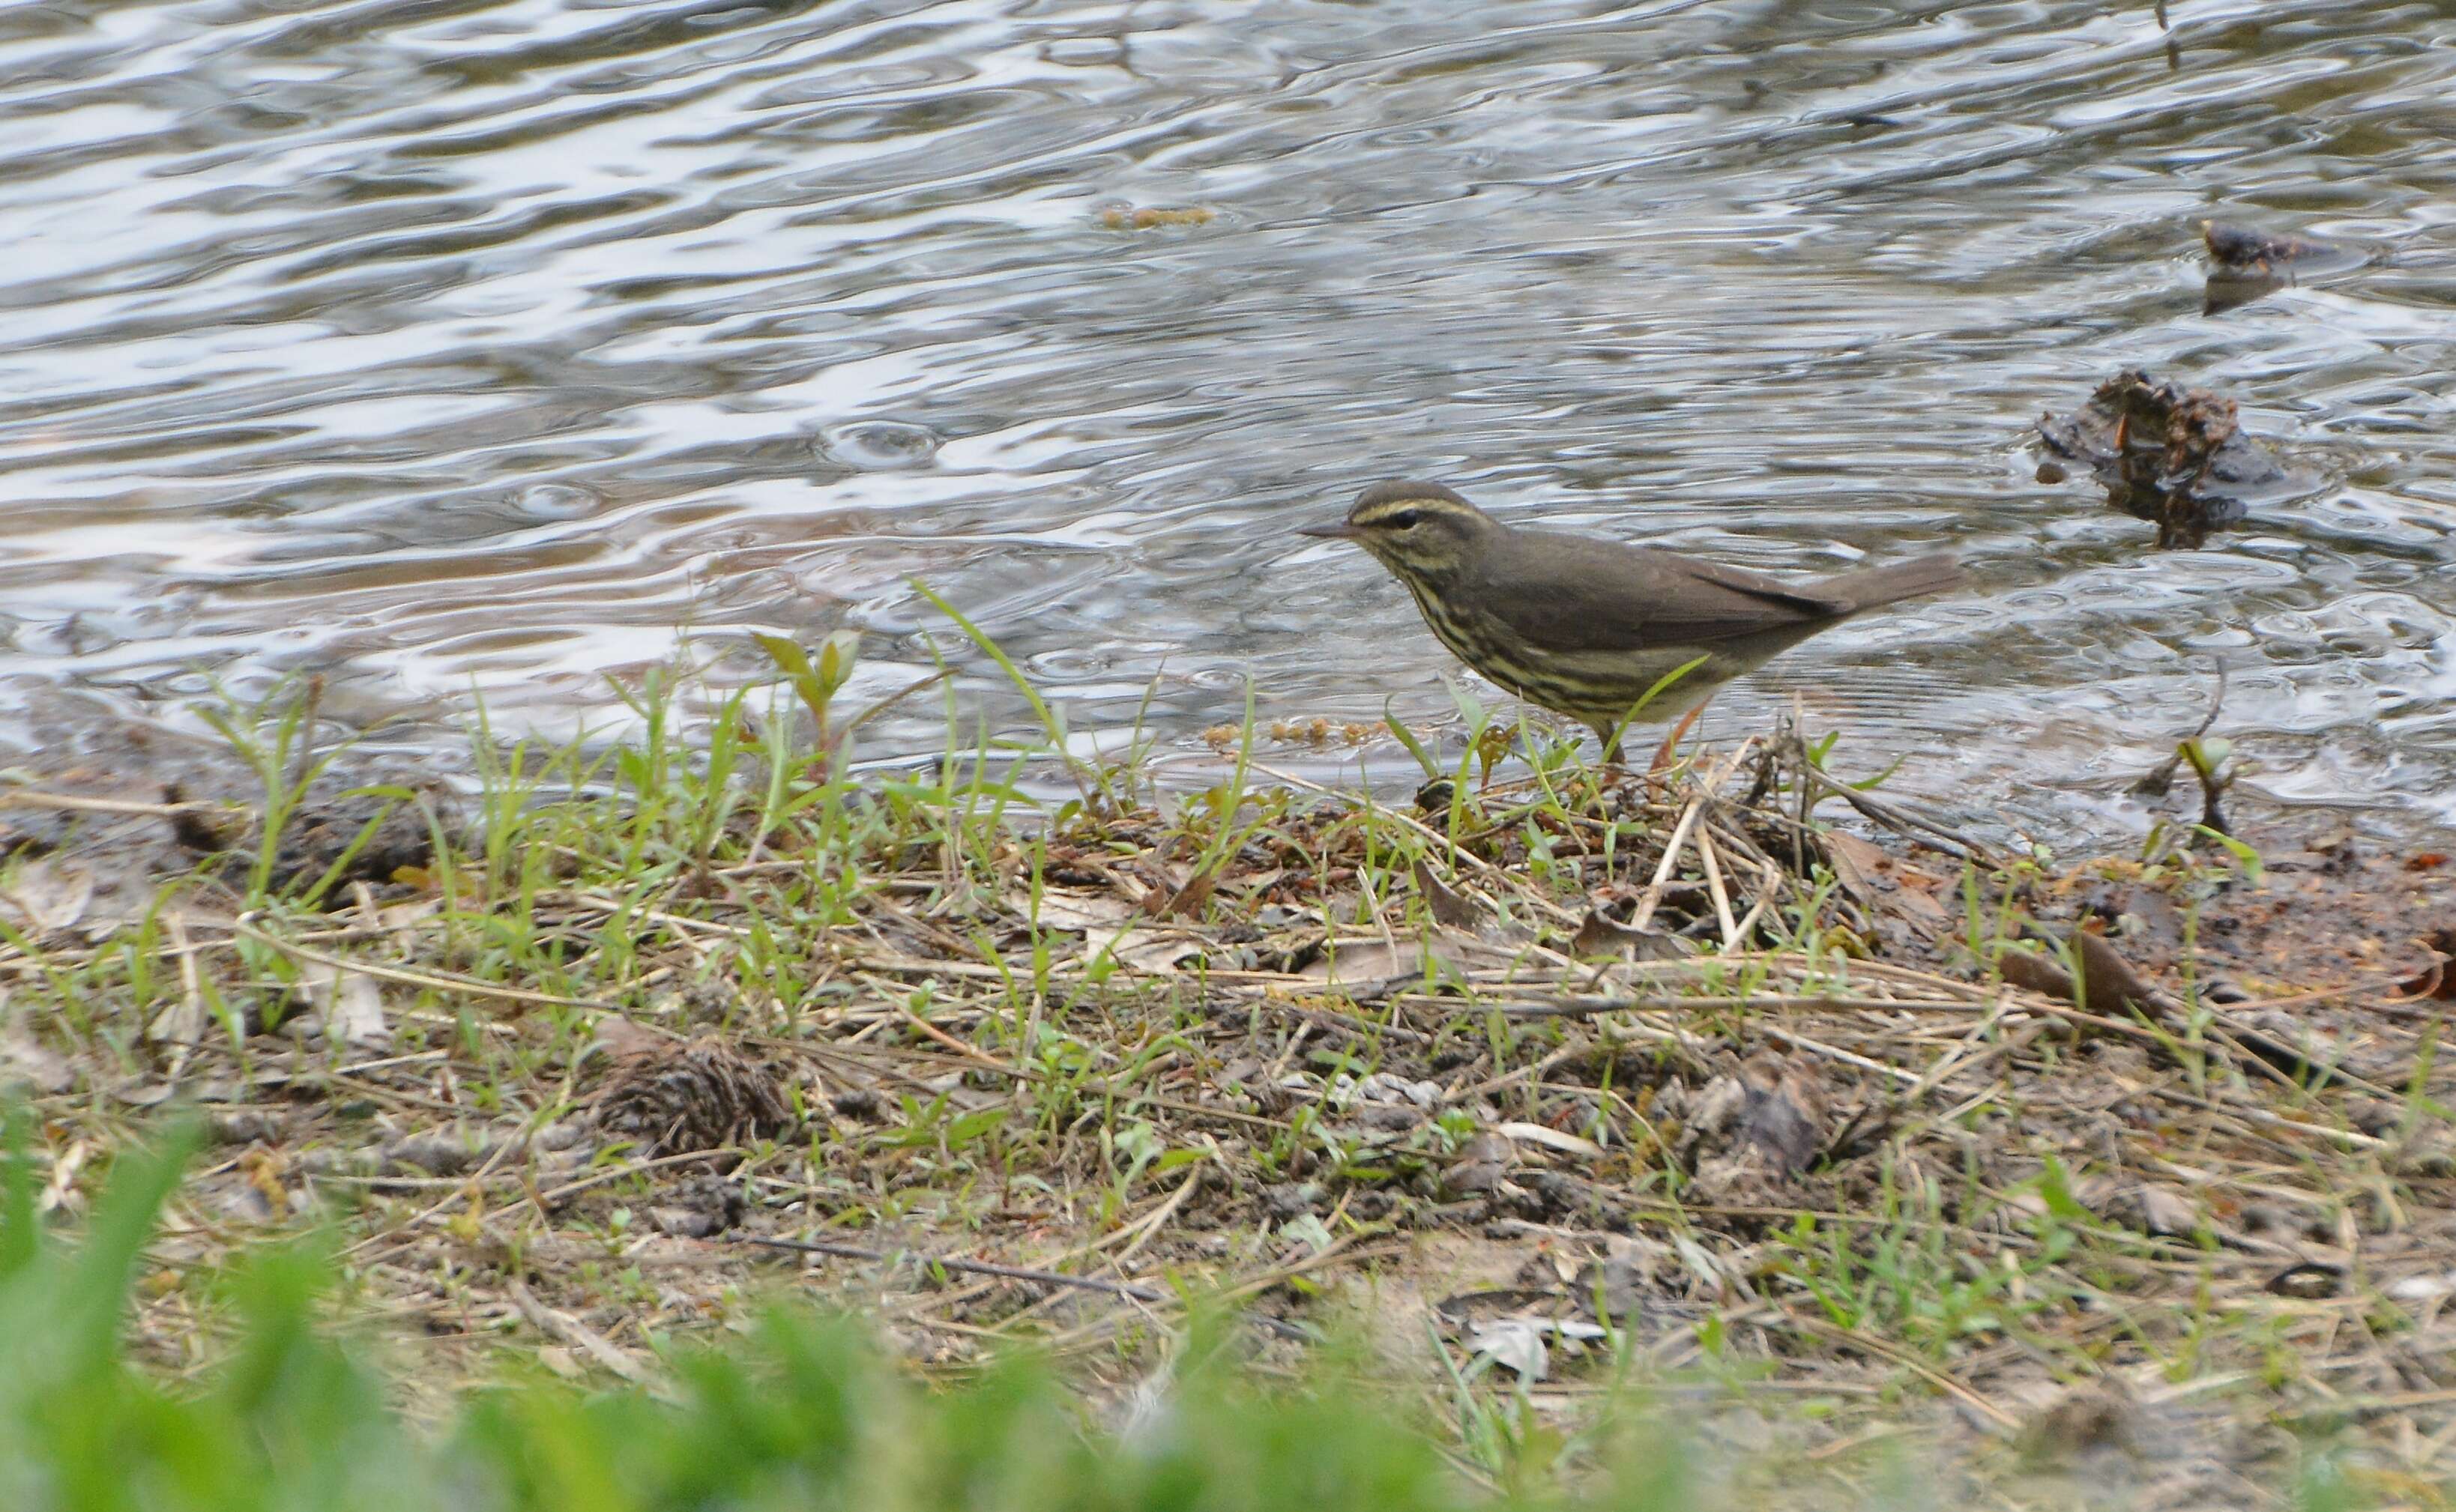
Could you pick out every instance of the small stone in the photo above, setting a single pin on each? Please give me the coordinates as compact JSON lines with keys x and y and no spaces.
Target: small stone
{"x":242,"y":1126}
{"x":436,"y":1154}
{"x":1291,"y":1200}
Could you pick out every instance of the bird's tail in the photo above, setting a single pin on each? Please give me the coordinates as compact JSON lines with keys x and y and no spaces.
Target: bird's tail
{"x":1873,"y":586}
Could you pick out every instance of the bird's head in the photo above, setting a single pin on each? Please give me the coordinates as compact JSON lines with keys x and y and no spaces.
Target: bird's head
{"x":1417,"y":530}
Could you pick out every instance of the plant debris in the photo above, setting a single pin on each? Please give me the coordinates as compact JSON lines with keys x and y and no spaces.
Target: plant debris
{"x":683,"y":1099}
{"x":2245,"y":264}
{"x":1155,"y":217}
{"x":2240,"y":249}
{"x":2176,"y":457}
{"x":1749,"y":1132}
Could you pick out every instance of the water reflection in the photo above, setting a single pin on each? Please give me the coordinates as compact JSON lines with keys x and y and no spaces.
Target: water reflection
{"x":477,"y":347}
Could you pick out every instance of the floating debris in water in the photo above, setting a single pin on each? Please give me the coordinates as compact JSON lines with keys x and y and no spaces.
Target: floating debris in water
{"x":2239,"y":249}
{"x":881,"y":445}
{"x":2172,"y":456}
{"x":2245,"y":264}
{"x":1128,"y":217}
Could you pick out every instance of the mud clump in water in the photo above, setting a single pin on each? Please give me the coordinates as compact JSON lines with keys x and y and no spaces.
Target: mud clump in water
{"x":2172,"y":456}
{"x":2241,"y":250}
{"x":2245,"y":264}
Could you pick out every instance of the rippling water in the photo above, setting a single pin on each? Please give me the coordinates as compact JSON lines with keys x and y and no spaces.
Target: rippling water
{"x":451,"y":347}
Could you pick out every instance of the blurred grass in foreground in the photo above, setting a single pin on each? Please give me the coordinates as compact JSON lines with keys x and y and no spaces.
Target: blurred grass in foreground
{"x":801,"y":1415}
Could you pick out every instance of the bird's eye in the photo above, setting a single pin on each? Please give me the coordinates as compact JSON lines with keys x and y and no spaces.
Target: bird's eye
{"x":1403,"y":519}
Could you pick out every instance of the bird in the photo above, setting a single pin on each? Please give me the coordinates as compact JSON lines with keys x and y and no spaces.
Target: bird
{"x":1587,"y":627}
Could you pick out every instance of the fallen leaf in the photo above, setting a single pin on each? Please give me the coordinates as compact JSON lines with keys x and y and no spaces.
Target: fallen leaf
{"x":1184,"y":902}
{"x":1308,"y":1230}
{"x":2108,"y":984}
{"x":61,"y":1191}
{"x":349,"y":1006}
{"x":1482,"y":1163}
{"x":1149,"y":218}
{"x":48,"y":895}
{"x":1885,"y":886}
{"x":1515,"y":1343}
{"x":1372,"y":962}
{"x":2033,"y":972}
{"x":2166,"y":1212}
{"x":24,"y":1061}
{"x":1601,"y":935}
{"x":438,"y":1154}
{"x":1254,"y":883}
{"x":1854,"y":861}
{"x":1450,"y":907}
{"x":1536,"y":1133}
{"x":181,"y":1022}
{"x":2438,"y":981}
{"x":1771,"y":1117}
{"x":1142,"y":949}
{"x":263,"y":1169}
{"x":1073,"y":910}
{"x":1703,"y":1267}
{"x":574,"y":1333}
{"x":1916,"y":892}
{"x":1385,"y":1088}
{"x":400,"y":918}
{"x":1518,"y":1342}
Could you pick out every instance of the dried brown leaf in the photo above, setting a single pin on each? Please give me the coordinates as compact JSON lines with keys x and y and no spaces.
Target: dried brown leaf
{"x":1854,"y":861}
{"x":1186,"y":901}
{"x":1600,"y":934}
{"x":1450,"y":907}
{"x":1372,"y":962}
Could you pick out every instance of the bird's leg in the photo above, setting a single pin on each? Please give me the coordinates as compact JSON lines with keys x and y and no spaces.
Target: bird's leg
{"x":1663,"y":753}
{"x":1610,"y":735}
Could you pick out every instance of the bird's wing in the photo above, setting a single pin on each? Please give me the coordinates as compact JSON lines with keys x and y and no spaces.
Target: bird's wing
{"x":1618,"y":598}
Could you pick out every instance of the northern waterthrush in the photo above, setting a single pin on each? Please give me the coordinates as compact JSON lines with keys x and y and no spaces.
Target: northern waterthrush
{"x":1587,"y":627}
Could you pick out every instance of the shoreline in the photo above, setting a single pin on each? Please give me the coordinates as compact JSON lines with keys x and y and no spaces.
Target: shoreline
{"x":1595,"y":1073}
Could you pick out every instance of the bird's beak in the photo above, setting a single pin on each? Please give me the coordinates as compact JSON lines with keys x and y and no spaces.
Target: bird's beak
{"x":1341,"y":531}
